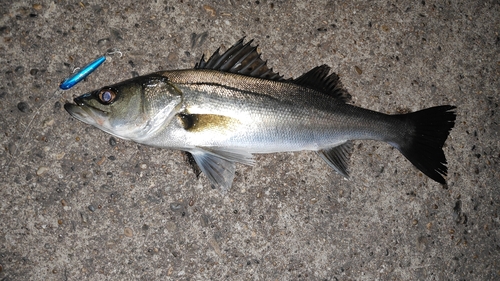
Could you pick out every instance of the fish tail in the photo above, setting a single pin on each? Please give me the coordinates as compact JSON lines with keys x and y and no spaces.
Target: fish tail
{"x":422,"y":143}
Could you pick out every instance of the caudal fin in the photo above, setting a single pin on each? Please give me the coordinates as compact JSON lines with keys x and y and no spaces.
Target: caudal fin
{"x":428,"y":129}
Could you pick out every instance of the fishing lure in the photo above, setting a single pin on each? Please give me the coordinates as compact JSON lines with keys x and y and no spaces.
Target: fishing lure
{"x":65,"y":85}
{"x":82,"y":74}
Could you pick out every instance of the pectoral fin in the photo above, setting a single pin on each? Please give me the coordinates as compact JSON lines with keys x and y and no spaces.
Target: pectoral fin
{"x":233,"y":155}
{"x":337,"y":157}
{"x":219,"y":165}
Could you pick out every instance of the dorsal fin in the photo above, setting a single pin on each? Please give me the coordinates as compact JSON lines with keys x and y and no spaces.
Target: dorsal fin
{"x":245,"y":60}
{"x":240,"y":59}
{"x":319,"y":80}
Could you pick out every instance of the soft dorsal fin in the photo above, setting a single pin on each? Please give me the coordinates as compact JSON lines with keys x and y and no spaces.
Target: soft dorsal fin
{"x":319,"y":80}
{"x":240,"y":59}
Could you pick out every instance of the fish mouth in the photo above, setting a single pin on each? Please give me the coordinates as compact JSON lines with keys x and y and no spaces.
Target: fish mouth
{"x":85,"y":112}
{"x":78,"y":112}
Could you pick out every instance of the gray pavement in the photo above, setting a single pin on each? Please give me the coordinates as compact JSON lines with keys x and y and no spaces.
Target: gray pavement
{"x":76,"y":204}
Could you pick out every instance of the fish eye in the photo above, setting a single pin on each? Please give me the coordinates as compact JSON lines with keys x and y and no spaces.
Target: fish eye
{"x":107,"y":95}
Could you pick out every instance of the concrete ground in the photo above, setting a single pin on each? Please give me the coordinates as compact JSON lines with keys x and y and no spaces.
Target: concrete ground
{"x":78,"y":204}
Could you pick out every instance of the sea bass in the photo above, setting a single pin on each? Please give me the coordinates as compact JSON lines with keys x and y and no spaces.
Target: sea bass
{"x":232,"y":106}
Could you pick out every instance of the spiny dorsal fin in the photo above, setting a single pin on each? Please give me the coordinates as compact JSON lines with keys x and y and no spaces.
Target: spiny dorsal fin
{"x":319,"y":80}
{"x":240,"y":59}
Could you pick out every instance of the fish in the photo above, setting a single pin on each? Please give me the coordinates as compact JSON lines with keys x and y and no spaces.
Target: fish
{"x":232,"y":106}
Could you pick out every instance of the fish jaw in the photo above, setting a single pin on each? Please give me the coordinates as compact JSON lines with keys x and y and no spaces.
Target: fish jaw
{"x":94,"y":117}
{"x":88,"y":115}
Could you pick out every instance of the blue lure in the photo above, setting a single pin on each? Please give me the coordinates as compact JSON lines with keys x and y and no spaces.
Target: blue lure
{"x":81,"y":74}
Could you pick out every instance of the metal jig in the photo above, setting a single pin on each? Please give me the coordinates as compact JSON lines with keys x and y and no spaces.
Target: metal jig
{"x":81,"y":74}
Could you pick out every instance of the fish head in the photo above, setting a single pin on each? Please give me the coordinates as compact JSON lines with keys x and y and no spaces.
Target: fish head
{"x":130,"y":109}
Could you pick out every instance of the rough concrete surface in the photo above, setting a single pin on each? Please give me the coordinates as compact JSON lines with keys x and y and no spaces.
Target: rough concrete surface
{"x":78,"y":204}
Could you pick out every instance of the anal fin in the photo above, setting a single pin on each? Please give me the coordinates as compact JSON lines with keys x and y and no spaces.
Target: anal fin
{"x":337,"y":157}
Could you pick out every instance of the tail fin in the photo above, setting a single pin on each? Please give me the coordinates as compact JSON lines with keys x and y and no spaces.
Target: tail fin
{"x":428,"y":130}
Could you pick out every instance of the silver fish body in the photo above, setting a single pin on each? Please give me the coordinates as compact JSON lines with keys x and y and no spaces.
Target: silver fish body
{"x":261,"y":116}
{"x":233,"y":106}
